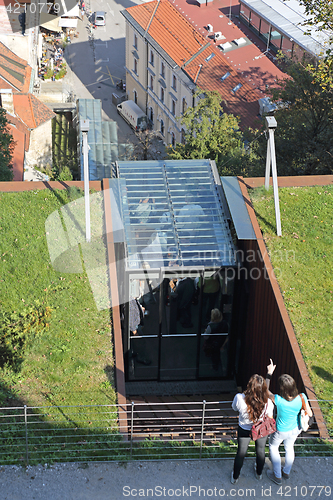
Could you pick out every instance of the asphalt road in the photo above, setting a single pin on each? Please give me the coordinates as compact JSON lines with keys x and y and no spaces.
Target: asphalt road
{"x":311,"y":478}
{"x":98,"y":65}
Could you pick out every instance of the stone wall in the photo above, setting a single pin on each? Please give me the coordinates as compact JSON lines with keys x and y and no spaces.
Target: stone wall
{"x":40,"y":150}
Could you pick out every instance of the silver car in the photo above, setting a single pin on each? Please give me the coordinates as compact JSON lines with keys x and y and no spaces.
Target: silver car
{"x":99,"y":18}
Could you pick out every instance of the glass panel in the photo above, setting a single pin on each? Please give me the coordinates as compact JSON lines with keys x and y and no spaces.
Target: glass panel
{"x":287,"y":46}
{"x":172,"y":215}
{"x":214,"y":342}
{"x":276,"y":39}
{"x":264,"y":30}
{"x":213,"y":355}
{"x":245,"y":12}
{"x":143,"y":328}
{"x":255,"y":21}
{"x":178,"y":357}
{"x":298,"y":52}
{"x":143,"y":358}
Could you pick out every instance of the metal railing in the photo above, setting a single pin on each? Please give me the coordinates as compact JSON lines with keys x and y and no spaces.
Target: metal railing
{"x":179,"y":430}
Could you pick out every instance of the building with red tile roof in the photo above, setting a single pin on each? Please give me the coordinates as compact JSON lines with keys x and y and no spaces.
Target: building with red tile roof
{"x":15,"y":73}
{"x":169,"y":56}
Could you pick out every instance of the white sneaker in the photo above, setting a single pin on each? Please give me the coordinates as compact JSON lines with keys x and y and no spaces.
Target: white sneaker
{"x":232,"y":479}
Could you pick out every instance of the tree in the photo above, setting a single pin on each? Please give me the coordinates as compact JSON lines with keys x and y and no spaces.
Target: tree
{"x":303,"y":138}
{"x":211,"y":134}
{"x":320,"y":15}
{"x":6,"y":149}
{"x":147,"y":146}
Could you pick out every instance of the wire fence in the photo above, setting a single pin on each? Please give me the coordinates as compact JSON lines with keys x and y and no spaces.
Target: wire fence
{"x":192,"y":430}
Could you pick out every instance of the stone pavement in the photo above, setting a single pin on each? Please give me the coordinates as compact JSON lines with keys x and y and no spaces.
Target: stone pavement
{"x":311,"y":478}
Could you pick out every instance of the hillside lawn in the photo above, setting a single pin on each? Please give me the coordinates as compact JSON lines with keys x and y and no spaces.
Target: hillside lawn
{"x":303,"y":263}
{"x":70,"y":361}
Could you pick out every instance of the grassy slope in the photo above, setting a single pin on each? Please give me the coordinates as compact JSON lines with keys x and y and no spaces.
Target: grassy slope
{"x":71,"y":362}
{"x":303,"y":260}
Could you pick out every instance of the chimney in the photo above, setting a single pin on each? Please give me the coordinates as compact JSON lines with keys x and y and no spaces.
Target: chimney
{"x":6,"y":97}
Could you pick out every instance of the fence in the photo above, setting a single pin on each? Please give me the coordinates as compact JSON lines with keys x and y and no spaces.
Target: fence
{"x":200,"y":430}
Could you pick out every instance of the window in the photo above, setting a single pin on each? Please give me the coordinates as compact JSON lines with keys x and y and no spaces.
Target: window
{"x":135,"y":41}
{"x":224,"y":77}
{"x":162,"y":127}
{"x":255,"y":22}
{"x":183,"y":136}
{"x":151,"y":83}
{"x":162,"y":94}
{"x":210,"y":57}
{"x":174,"y":83}
{"x":135,"y":95}
{"x":135,"y":66}
{"x":162,"y":70}
{"x":173,"y":107}
{"x":287,"y":46}
{"x":151,"y":115}
{"x":245,"y":13}
{"x":276,"y":39}
{"x":173,"y":139}
{"x":265,"y":29}
{"x":184,"y":105}
{"x":151,"y":58}
{"x":238,"y":86}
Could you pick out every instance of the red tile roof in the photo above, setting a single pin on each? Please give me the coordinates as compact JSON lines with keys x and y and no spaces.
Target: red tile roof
{"x":31,"y":110}
{"x":14,"y":71}
{"x":182,"y":38}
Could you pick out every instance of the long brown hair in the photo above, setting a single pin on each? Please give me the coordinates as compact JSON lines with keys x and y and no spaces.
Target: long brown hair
{"x":256,"y":396}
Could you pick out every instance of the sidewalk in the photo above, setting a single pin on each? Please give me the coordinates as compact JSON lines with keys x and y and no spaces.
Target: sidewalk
{"x":311,"y":478}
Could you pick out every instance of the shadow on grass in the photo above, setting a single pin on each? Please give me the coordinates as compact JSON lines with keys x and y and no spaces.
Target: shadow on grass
{"x":325,"y":375}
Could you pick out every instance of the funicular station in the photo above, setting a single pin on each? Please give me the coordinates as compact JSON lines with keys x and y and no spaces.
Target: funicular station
{"x":181,"y":237}
{"x":176,"y":258}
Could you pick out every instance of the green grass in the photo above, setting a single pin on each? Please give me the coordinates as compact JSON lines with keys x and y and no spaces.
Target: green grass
{"x":70,"y":362}
{"x":64,"y":149}
{"x":303,"y":263}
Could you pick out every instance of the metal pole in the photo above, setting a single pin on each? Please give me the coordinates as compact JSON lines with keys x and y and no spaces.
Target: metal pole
{"x":268,"y":166}
{"x":84,"y":129}
{"x":275,"y":184}
{"x":26,"y":434}
{"x":202,"y":424}
{"x":132,"y":415}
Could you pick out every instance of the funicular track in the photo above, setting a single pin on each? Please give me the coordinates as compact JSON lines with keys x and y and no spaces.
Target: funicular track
{"x":184,"y":418}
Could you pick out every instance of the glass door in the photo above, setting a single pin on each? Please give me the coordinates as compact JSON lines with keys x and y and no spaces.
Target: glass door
{"x":181,"y":304}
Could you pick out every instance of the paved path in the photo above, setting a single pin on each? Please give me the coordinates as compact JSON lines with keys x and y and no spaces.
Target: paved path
{"x":311,"y":478}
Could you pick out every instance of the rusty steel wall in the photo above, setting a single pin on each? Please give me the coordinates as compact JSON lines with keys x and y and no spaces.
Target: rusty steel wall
{"x":269,"y":332}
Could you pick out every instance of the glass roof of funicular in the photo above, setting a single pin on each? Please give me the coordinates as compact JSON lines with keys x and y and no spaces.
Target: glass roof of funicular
{"x":172,"y":215}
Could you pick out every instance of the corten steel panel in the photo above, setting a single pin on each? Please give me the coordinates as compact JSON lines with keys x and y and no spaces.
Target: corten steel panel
{"x":290,"y":181}
{"x":117,"y":337}
{"x":269,"y":332}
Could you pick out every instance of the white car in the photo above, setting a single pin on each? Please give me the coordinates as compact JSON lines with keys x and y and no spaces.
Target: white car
{"x":99,"y":18}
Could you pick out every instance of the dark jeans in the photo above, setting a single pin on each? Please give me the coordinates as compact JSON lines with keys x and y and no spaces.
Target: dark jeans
{"x":243,"y":440}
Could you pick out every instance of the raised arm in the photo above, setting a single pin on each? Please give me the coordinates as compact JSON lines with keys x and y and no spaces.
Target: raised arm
{"x":270,"y":370}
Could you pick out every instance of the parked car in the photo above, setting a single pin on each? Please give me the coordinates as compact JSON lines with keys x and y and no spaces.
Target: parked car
{"x":99,"y":18}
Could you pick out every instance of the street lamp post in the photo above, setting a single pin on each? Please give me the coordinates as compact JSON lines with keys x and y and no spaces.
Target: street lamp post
{"x":84,"y":129}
